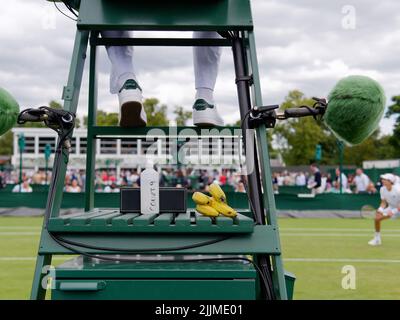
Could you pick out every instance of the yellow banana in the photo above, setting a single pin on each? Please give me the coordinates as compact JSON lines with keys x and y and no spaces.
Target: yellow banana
{"x":206,"y":210}
{"x":201,"y":198}
{"x":216,"y":192}
{"x":224,"y":209}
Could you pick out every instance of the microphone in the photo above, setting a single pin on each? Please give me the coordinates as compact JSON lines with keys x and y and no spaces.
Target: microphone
{"x":355,"y":107}
{"x":9,"y":110}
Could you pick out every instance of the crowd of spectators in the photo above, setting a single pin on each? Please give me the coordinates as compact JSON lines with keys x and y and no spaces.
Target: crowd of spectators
{"x":319,"y":182}
{"x":195,"y":179}
{"x":110,"y":181}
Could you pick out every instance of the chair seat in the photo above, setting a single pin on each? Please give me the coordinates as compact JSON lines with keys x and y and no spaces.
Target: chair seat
{"x":165,"y":15}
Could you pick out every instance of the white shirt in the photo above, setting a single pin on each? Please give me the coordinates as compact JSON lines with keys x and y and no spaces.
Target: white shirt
{"x":17,"y":188}
{"x":392,"y":197}
{"x":344,"y":181}
{"x":72,"y":189}
{"x":361,"y":182}
{"x":301,"y":180}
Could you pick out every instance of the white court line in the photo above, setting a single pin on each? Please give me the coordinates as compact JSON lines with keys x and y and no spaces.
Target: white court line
{"x":19,"y":228}
{"x":341,"y":260}
{"x":334,"y":229}
{"x":19,"y":233}
{"x":27,"y":258}
{"x":335,"y":235}
{"x":285,"y":234}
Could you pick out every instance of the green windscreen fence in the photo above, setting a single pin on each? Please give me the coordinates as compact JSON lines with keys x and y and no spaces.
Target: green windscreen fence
{"x":236,"y":200}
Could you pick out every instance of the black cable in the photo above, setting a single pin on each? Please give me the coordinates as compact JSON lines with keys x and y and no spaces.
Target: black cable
{"x":70,"y":9}
{"x":266,"y":277}
{"x":119,"y":259}
{"x":240,"y":162}
{"x":69,"y":17}
{"x":138,"y":251}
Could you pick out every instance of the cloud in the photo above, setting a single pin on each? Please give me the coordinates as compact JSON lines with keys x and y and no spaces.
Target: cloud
{"x":300,"y":44}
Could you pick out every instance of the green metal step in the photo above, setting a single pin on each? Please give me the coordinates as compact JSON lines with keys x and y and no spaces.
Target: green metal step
{"x":171,"y":15}
{"x":111,"y":220}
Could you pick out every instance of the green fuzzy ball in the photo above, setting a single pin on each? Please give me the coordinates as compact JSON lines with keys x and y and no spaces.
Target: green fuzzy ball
{"x":9,"y":110}
{"x":355,"y":108}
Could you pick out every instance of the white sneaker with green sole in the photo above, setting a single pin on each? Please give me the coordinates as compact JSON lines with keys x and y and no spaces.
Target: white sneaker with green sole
{"x":205,"y":114}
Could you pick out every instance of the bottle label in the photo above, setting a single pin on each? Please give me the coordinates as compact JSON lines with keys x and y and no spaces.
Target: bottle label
{"x":153,"y":196}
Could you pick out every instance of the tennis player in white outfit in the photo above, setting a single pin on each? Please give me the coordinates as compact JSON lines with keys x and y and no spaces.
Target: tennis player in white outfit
{"x":390,"y":205}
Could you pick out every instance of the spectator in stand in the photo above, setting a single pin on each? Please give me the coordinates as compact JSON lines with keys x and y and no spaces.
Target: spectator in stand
{"x":301,"y":179}
{"x":180,"y":179}
{"x":361,"y":181}
{"x":111,"y":188}
{"x":23,"y":187}
{"x":315,"y":185}
{"x":240,"y":187}
{"x":344,"y":181}
{"x":193,"y":179}
{"x":222,"y":178}
{"x":134,"y":178}
{"x":104,"y":177}
{"x":2,"y":181}
{"x":280,"y":179}
{"x":275,"y":182}
{"x":204,"y":179}
{"x":74,"y":187}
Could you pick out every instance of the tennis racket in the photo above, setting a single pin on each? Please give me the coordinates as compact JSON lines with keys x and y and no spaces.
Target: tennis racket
{"x":367,"y":211}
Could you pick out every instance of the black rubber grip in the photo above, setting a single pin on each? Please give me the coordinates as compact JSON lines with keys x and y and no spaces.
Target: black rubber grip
{"x":300,"y":112}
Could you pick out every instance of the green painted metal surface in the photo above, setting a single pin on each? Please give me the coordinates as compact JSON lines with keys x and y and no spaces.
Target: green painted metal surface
{"x":153,"y":289}
{"x":165,"y":15}
{"x":83,"y":268}
{"x":82,"y":278}
{"x":102,"y":220}
{"x":262,"y":240}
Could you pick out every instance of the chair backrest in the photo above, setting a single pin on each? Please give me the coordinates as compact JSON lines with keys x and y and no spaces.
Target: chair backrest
{"x":165,"y":15}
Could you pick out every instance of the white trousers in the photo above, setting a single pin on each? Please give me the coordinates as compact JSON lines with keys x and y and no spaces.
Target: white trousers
{"x":205,"y":61}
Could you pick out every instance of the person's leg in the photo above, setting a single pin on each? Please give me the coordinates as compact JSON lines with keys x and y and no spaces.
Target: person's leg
{"x":206,"y":63}
{"x":379,"y":217}
{"x":121,"y":58}
{"x":123,"y":82}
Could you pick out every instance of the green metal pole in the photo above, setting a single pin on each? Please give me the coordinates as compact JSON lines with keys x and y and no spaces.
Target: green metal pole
{"x":70,"y":96}
{"x":21,"y":145}
{"x":47,"y":153}
{"x":278,"y":275}
{"x":91,"y":122}
{"x":20,"y":170}
{"x":46,"y":168}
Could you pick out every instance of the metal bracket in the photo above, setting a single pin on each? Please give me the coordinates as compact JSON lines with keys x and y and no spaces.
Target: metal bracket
{"x":248,"y":79}
{"x":68,"y":93}
{"x":263,"y":115}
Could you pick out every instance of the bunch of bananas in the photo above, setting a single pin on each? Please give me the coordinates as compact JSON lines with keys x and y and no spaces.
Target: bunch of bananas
{"x":215,"y":205}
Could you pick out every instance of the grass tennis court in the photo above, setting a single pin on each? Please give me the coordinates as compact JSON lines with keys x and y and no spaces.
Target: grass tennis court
{"x":315,"y":250}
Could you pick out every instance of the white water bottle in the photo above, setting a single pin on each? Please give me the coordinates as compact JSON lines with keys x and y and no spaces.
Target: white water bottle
{"x":149,"y":190}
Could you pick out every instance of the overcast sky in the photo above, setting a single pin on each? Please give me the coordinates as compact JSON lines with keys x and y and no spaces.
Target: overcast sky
{"x":301,"y":44}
